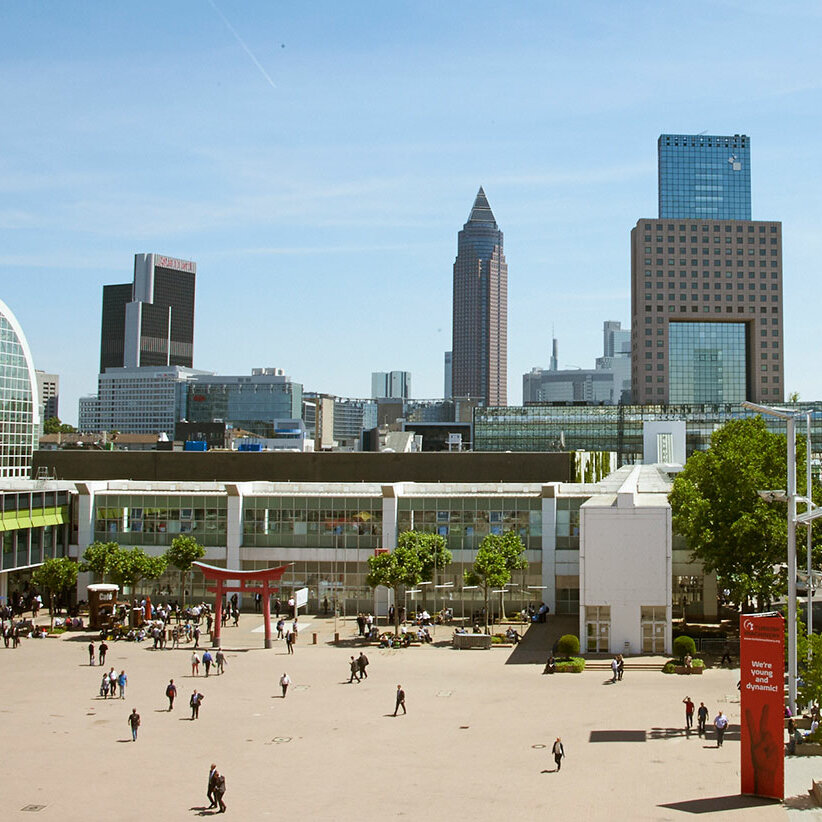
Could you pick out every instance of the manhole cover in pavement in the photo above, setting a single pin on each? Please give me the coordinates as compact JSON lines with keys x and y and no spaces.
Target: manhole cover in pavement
{"x":537,"y":746}
{"x":281,"y":739}
{"x":32,"y":807}
{"x":301,"y":687}
{"x":444,"y":693}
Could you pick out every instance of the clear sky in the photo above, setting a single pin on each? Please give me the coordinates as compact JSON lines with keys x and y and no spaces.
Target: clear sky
{"x":317,"y":159}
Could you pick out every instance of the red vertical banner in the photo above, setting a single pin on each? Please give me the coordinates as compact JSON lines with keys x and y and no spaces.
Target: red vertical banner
{"x":762,"y":688}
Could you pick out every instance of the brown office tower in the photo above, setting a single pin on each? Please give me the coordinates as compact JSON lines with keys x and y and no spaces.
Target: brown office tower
{"x":480,"y":315}
{"x":706,"y":311}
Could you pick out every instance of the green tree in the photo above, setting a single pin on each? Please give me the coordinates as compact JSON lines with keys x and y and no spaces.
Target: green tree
{"x":55,"y":575}
{"x":396,"y":569}
{"x":182,"y":552}
{"x":717,"y":508}
{"x":99,"y":557}
{"x":497,"y":556}
{"x":432,"y":551}
{"x":53,"y":426}
{"x":128,"y":567}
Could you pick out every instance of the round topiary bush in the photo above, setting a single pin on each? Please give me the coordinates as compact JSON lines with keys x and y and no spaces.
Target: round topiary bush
{"x":684,"y":645}
{"x":568,"y":645}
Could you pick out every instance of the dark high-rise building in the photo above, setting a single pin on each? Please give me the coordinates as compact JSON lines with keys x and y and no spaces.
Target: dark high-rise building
{"x":704,"y":176}
{"x":480,"y":313}
{"x":150,"y":322}
{"x":706,"y":293}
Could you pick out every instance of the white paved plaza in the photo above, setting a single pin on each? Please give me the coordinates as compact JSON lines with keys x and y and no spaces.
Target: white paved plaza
{"x":474,"y":745}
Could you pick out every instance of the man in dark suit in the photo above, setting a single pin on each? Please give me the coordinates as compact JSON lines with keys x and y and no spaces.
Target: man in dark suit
{"x":219,"y":790}
{"x":210,"y":791}
{"x":400,"y":700}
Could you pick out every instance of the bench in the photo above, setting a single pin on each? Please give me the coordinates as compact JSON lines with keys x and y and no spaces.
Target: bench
{"x":808,"y":749}
{"x":465,"y":641}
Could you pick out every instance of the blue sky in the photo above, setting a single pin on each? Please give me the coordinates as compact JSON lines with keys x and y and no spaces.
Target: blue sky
{"x":319,"y":182}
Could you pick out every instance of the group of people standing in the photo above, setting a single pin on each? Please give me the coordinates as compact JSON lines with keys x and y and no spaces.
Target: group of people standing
{"x":720,"y":722}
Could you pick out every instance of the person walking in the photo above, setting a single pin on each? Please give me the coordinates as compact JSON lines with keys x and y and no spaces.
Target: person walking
{"x":195,"y":664}
{"x":207,"y":660}
{"x":363,"y":663}
{"x":400,"y":703}
{"x":171,"y":693}
{"x":285,"y":681}
{"x":219,"y":790}
{"x":689,"y":713}
{"x":289,"y":642}
{"x":219,"y":659}
{"x":90,"y":652}
{"x":701,"y":718}
{"x":721,"y":725}
{"x":210,"y":792}
{"x":620,"y":667}
{"x":355,"y":670}
{"x":121,"y":682}
{"x":105,"y":685}
{"x":195,"y":702}
{"x":112,"y":676}
{"x":614,"y":669}
{"x":134,"y":723}
{"x":280,"y":626}
{"x":726,"y":654}
{"x":559,"y":752}
{"x":196,"y":636}
{"x":101,"y":652}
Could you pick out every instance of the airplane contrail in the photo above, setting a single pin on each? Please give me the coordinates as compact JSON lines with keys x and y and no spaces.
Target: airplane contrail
{"x":242,"y":43}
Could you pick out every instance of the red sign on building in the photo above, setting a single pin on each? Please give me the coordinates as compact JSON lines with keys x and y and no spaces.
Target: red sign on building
{"x":762,"y":687}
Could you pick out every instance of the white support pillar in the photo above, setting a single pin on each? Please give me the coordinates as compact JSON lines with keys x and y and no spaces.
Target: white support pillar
{"x":235,"y":493}
{"x":549,"y":545}
{"x":86,"y":495}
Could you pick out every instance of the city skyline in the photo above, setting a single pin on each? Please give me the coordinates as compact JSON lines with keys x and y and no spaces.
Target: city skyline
{"x":341,"y":185}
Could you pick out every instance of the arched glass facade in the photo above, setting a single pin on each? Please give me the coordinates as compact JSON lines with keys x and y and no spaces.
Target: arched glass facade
{"x":19,"y":411}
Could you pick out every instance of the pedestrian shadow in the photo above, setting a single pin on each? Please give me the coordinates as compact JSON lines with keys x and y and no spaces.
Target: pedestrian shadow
{"x":713,"y":804}
{"x":203,"y":810}
{"x":124,"y":740}
{"x":549,"y":770}
{"x":609,"y":682}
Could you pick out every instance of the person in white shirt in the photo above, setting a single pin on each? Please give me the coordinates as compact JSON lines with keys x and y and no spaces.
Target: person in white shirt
{"x":285,"y":681}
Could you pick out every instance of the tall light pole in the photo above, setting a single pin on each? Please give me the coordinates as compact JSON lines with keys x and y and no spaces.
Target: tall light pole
{"x":790,"y":421}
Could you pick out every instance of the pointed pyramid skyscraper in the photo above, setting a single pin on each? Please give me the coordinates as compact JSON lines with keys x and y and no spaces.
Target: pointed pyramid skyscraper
{"x":481,"y":211}
{"x":480,"y":314}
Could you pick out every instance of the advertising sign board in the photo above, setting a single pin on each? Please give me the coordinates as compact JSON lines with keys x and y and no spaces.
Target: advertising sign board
{"x":762,"y":689}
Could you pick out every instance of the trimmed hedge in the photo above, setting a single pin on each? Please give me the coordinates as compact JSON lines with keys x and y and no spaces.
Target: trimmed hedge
{"x":684,"y":645}
{"x":570,"y":665}
{"x":568,"y":645}
{"x":671,"y":666}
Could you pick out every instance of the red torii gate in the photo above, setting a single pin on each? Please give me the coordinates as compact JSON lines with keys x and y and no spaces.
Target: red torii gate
{"x":222,"y":577}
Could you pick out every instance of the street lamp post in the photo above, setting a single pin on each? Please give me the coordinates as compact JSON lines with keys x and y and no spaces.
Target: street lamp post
{"x":790,"y":421}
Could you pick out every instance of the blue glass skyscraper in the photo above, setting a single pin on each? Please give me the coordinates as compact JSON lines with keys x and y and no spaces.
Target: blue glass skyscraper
{"x":704,"y":177}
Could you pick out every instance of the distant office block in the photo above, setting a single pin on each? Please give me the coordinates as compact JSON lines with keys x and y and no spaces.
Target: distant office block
{"x":391,"y":384}
{"x":480,"y":309}
{"x":150,"y":322}
{"x":137,"y":400}
{"x":704,"y":177}
{"x":706,"y":311}
{"x":254,"y":403}
{"x":48,"y":390}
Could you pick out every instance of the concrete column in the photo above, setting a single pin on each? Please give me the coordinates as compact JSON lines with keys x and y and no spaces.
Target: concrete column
{"x":86,"y":494}
{"x":710,"y":603}
{"x":4,"y":588}
{"x":549,"y":545}
{"x":234,"y":528}
{"x":390,"y":496}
